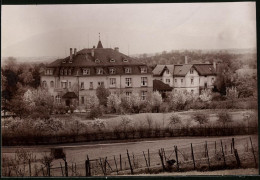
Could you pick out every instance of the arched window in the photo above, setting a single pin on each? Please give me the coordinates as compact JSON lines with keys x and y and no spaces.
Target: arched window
{"x":44,"y":84}
{"x":112,"y":60}
{"x":57,"y":99}
{"x":52,"y":84}
{"x":97,"y":60}
{"x":125,"y":60}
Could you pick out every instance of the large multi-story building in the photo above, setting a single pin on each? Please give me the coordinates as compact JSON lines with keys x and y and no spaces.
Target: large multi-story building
{"x":71,"y":79}
{"x":190,"y":77}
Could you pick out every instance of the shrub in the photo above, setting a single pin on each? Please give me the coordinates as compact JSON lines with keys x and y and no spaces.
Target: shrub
{"x":155,"y":101}
{"x":174,"y":119}
{"x":201,"y":118}
{"x":102,"y":94}
{"x":135,"y":102}
{"x":95,"y":113}
{"x":92,"y":101}
{"x":206,"y":95}
{"x":113,"y":103}
{"x":178,"y":100}
{"x":224,"y":118}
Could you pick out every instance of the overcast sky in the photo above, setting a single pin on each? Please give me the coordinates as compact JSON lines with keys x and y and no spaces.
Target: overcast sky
{"x":50,"y":30}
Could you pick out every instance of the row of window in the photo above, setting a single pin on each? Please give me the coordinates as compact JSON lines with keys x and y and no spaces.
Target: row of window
{"x":86,"y":71}
{"x":167,"y":81}
{"x":112,"y":83}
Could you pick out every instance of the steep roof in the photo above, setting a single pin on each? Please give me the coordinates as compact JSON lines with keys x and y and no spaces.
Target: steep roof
{"x":171,"y":68}
{"x":181,"y":70}
{"x":160,"y":86}
{"x":104,"y":55}
{"x":205,"y":69}
{"x":158,"y":70}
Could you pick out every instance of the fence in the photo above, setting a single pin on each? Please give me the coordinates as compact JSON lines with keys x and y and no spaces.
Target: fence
{"x":126,"y":135}
{"x":208,"y":155}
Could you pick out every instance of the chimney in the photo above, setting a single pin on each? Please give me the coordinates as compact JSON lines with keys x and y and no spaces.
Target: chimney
{"x":92,"y":51}
{"x":70,"y":54}
{"x":186,"y":60}
{"x":117,"y":49}
{"x":215,"y":65}
{"x":75,"y":51}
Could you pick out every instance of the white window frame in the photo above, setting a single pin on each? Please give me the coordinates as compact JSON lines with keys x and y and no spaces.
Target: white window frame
{"x":112,"y":60}
{"x":128,"y":82}
{"x":167,"y":71}
{"x":82,"y":85}
{"x":144,"y":81}
{"x":86,"y":71}
{"x":91,"y":85}
{"x":82,"y":100}
{"x":143,"y":95}
{"x":52,"y":84}
{"x":61,"y":72}
{"x":192,"y":81}
{"x":112,"y":82}
{"x":44,"y":84}
{"x":100,"y":83}
{"x":167,"y":81}
{"x":128,"y":70}
{"x":191,"y":71}
{"x":64,"y":85}
{"x":143,"y":69}
{"x":58,"y":99}
{"x":212,"y":80}
{"x":181,"y":81}
{"x":112,"y":70}
{"x":175,"y":80}
{"x":65,"y":72}
{"x":125,"y":60}
{"x":128,"y":94}
{"x":100,"y":71}
{"x":69,"y":71}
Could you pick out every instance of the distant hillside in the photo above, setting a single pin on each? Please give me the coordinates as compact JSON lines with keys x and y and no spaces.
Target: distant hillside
{"x":43,"y":59}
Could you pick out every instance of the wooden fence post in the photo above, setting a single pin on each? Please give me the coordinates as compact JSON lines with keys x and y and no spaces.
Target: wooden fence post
{"x":146,"y":162}
{"x":43,"y":172}
{"x":253,"y":152}
{"x":86,"y":167}
{"x":89,"y":166}
{"x":120,"y":163}
{"x":30,"y":172}
{"x":207,"y":154}
{"x":72,"y":170}
{"x":101,"y":165}
{"x":237,"y":158}
{"x":176,"y":153}
{"x":192,"y":155}
{"x":116,"y":165}
{"x":66,"y":169}
{"x":223,"y":154}
{"x":149,"y":161}
{"x":134,"y":160}
{"x":132,"y":172}
{"x":49,"y":169}
{"x":61,"y":169}
{"x":161,"y":157}
{"x":108,"y":164}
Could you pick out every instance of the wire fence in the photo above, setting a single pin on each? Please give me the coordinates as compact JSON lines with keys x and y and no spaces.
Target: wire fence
{"x":207,"y":155}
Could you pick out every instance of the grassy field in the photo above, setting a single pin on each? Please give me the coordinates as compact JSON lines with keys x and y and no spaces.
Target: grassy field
{"x":162,"y":119}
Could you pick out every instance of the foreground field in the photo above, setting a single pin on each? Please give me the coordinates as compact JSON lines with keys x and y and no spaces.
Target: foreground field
{"x":249,"y":171}
{"x":76,"y":154}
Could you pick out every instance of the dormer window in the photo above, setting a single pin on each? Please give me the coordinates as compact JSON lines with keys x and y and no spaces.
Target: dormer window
{"x":48,"y":72}
{"x":143,"y":69}
{"x":127,"y":70}
{"x":112,"y":60}
{"x":112,"y":70}
{"x":86,"y":71}
{"x":61,"y":72}
{"x":97,"y":61}
{"x":70,"y":61}
{"x":167,"y":71}
{"x":99,"y":71}
{"x":64,"y":61}
{"x":125,"y":60}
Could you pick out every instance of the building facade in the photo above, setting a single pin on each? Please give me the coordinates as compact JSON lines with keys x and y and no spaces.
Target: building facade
{"x":80,"y":74}
{"x":190,"y":77}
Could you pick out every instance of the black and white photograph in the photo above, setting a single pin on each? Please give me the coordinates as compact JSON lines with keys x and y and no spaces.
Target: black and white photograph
{"x":137,"y":89}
